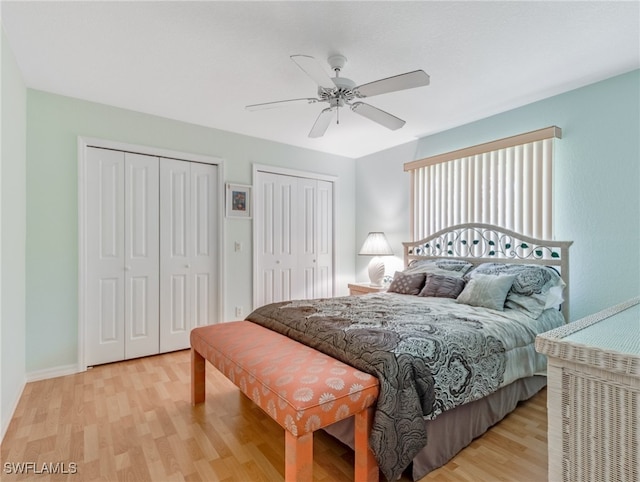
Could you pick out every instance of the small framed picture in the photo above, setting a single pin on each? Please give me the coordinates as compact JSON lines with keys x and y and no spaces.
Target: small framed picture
{"x":238,"y":201}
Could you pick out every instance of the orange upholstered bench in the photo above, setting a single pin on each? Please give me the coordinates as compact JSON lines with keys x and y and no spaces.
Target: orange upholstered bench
{"x":300,"y":388}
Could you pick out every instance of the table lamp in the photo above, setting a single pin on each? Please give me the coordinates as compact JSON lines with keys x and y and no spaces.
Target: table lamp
{"x":376,"y":245}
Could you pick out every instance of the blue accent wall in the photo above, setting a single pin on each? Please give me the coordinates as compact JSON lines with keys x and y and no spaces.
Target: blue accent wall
{"x":596,"y":185}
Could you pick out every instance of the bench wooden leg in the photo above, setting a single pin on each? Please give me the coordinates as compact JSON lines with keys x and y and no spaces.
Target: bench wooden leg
{"x":197,"y":377}
{"x":298,"y":455}
{"x":366,"y":465}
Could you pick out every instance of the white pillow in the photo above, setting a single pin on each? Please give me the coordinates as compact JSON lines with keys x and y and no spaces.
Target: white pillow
{"x":554,"y":297}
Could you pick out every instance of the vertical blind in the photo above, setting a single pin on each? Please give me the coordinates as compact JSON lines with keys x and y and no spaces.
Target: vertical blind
{"x":508,"y":182}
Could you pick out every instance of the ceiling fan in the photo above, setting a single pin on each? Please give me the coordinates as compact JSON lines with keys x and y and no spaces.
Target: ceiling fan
{"x":340,"y":91}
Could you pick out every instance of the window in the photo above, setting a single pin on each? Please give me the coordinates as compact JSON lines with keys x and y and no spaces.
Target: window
{"x":508,"y":182}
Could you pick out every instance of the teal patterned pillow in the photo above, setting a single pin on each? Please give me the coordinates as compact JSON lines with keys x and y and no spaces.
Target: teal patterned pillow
{"x":487,"y":291}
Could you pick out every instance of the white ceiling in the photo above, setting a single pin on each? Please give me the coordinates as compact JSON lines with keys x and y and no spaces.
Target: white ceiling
{"x":202,"y":62}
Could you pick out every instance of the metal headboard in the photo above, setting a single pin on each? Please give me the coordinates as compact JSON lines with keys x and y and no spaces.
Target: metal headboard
{"x":481,"y":243}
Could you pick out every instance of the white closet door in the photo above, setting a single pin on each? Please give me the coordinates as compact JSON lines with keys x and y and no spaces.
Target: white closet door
{"x":188,"y":224}
{"x":175,"y":256}
{"x":122,"y":255}
{"x":204,"y":268}
{"x":142,"y":239}
{"x":307,"y":228}
{"x":315,"y":222}
{"x":276,"y":224}
{"x":294,"y":238}
{"x":324,"y":240}
{"x":105,"y":276}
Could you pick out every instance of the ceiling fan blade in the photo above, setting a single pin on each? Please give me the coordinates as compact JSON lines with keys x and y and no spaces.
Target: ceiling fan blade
{"x":376,"y":115}
{"x":417,"y":78}
{"x":280,"y":103}
{"x":322,"y":123}
{"x":313,"y":69}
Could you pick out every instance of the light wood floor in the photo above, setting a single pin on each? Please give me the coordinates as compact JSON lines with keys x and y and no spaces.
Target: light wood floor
{"x":132,"y":421}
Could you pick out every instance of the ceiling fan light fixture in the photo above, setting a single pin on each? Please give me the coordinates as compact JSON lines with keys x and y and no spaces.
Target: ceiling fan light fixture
{"x":340,"y":91}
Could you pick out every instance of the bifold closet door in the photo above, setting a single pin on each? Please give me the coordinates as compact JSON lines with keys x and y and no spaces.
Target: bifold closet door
{"x":276,"y":224}
{"x":141,"y":251}
{"x":294,"y":238}
{"x":315,"y":258}
{"x":122,"y":256}
{"x":188,"y":247}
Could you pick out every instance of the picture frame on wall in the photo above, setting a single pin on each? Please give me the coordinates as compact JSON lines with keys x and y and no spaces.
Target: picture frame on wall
{"x":238,"y":201}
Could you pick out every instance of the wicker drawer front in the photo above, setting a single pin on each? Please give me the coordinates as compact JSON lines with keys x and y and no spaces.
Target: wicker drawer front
{"x":600,"y":426}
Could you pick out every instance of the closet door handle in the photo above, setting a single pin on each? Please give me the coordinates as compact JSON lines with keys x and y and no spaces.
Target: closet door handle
{"x":187,"y":266}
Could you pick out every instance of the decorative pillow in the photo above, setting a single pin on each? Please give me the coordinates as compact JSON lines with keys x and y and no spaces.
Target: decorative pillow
{"x":406,"y":284}
{"x":487,"y":291}
{"x":442,"y":286}
{"x":446,"y":267}
{"x":554,"y":297}
{"x":534,"y":289}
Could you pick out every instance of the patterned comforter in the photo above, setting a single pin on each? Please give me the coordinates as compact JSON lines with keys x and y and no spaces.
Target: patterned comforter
{"x":429,"y":354}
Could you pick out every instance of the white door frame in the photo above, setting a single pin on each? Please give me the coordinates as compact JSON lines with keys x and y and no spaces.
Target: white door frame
{"x":83,"y":144}
{"x":294,"y":173}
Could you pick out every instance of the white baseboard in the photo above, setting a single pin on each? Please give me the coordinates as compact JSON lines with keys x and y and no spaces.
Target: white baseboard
{"x":34,"y":376}
{"x":12,"y":410}
{"x":54,"y":372}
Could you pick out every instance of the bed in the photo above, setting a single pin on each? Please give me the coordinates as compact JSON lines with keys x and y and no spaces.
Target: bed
{"x":451,"y":341}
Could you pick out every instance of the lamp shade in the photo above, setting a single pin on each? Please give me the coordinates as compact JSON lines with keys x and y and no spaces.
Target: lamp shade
{"x":376,"y":244}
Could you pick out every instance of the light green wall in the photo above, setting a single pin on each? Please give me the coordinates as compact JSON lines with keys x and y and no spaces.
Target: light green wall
{"x":13,"y":231}
{"x":53,"y":124}
{"x":382,"y":200}
{"x":596,"y":192}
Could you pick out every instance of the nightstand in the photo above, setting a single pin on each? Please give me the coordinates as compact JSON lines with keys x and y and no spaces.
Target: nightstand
{"x":364,"y":288}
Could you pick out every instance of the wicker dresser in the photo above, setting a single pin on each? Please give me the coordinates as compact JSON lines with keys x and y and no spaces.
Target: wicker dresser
{"x":594,"y":396}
